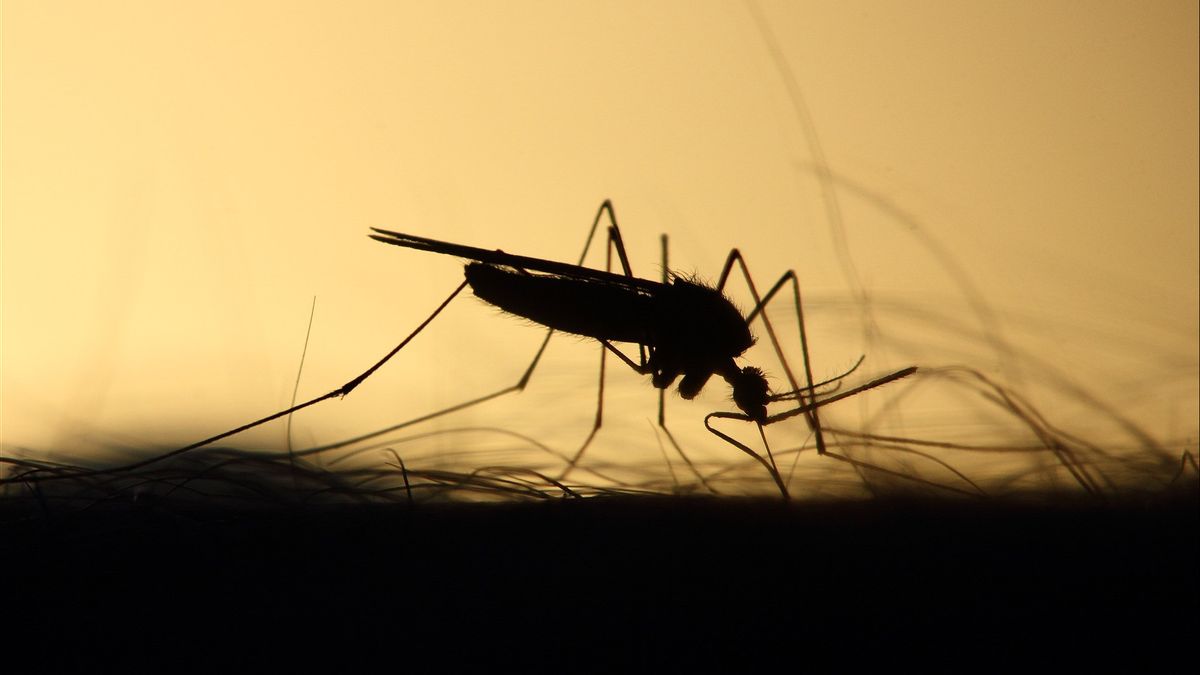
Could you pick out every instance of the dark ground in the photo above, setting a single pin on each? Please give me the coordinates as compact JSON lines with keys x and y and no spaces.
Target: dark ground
{"x":664,"y":583}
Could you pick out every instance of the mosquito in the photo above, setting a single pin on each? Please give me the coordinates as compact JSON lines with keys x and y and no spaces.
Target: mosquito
{"x":684,"y":330}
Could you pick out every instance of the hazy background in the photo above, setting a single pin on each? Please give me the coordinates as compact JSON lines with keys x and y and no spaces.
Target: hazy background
{"x":181,"y":179}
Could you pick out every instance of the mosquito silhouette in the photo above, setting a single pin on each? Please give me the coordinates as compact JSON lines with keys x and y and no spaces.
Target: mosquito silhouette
{"x":691,"y":330}
{"x":684,"y":330}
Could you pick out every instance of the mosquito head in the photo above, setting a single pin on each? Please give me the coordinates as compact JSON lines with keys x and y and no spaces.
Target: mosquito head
{"x":750,"y":392}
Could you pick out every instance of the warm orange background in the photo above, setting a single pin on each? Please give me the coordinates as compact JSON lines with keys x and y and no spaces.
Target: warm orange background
{"x":180,"y":179}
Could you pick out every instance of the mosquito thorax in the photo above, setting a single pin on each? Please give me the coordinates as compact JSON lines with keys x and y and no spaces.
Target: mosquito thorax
{"x":698,"y":321}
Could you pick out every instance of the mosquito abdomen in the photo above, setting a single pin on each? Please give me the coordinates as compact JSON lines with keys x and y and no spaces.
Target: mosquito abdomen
{"x":580,"y":306}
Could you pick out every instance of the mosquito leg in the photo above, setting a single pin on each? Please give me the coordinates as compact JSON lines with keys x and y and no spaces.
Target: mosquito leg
{"x":640,"y":369}
{"x":599,"y":420}
{"x":760,"y":303}
{"x":340,"y":391}
{"x":768,"y":465}
{"x":614,"y":242}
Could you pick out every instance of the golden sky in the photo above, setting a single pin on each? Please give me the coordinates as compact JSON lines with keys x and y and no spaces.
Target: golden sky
{"x":181,"y":179}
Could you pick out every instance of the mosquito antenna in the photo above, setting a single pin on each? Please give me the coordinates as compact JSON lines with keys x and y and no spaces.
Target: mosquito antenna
{"x":837,"y":379}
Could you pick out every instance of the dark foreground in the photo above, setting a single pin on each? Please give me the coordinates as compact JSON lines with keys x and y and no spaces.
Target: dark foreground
{"x":576,"y":585}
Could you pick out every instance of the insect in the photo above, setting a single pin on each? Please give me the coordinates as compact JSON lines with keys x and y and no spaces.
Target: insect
{"x":685,"y":330}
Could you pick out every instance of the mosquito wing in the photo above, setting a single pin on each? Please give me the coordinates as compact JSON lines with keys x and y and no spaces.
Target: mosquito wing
{"x":498,"y":257}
